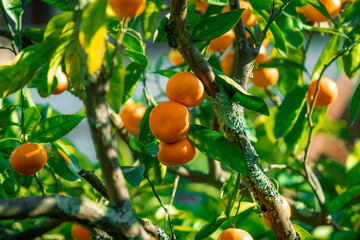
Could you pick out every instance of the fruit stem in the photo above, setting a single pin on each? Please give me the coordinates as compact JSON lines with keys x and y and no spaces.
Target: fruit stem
{"x":39,"y":184}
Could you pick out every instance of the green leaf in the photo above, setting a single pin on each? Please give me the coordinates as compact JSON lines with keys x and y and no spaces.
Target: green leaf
{"x":355,"y":105}
{"x":56,"y":25}
{"x":92,"y":34}
{"x":134,"y":175}
{"x":290,"y":110}
{"x":264,"y":4}
{"x":5,"y":120}
{"x":16,"y":74}
{"x":229,"y":192}
{"x":328,"y":53}
{"x":210,"y":228}
{"x":216,"y":25}
{"x":60,"y":146}
{"x":32,"y":117}
{"x":73,"y":68}
{"x":58,"y":4}
{"x":291,"y":31}
{"x":146,"y":138}
{"x":115,"y":95}
{"x":166,"y":72}
{"x":150,"y":16}
{"x":330,"y":31}
{"x":340,"y":201}
{"x":53,"y":128}
{"x":138,"y":146}
{"x":351,"y":11}
{"x":160,"y":33}
{"x":60,"y":166}
{"x":318,"y":5}
{"x":238,"y":94}
{"x":297,"y":133}
{"x":132,"y":43}
{"x":40,"y":82}
{"x":33,"y":34}
{"x":137,"y":57}
{"x":13,"y":8}
{"x":351,"y":61}
{"x":216,"y":146}
{"x":303,"y":234}
{"x":132,"y":78}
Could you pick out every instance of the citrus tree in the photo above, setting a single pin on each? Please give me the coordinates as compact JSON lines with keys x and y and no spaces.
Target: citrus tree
{"x":205,"y":158}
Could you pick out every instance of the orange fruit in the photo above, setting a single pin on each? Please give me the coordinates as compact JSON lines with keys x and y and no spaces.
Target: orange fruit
{"x":226,"y":62}
{"x":234,"y":234}
{"x":62,"y":83}
{"x":333,"y":7}
{"x":177,"y":153}
{"x":79,"y":233}
{"x":223,"y":42}
{"x":169,"y":121}
{"x":201,"y":6}
{"x":131,"y":116}
{"x":127,"y":8}
{"x":327,"y":94}
{"x":264,"y":77}
{"x":185,"y":88}
{"x":28,"y":158}
{"x":175,"y":58}
{"x":262,"y":53}
{"x":285,"y":205}
{"x":248,"y":17}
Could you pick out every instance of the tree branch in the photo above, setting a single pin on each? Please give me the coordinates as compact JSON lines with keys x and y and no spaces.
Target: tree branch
{"x":94,"y":181}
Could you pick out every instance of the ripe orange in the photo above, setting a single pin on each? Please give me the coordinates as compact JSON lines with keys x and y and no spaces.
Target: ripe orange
{"x":332,"y":6}
{"x":223,"y":42}
{"x":127,"y":8}
{"x":131,"y":116}
{"x":79,"y":233}
{"x":264,"y":77}
{"x":169,"y":121}
{"x":201,"y":6}
{"x":175,"y":58}
{"x":62,"y":83}
{"x":248,"y":17}
{"x":262,"y":53}
{"x":28,"y":158}
{"x":226,"y":62}
{"x":234,"y":234}
{"x":327,"y":94}
{"x":285,"y":205}
{"x":177,"y":153}
{"x":185,"y":88}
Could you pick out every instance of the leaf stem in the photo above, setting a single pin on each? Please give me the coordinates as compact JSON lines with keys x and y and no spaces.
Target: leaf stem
{"x":39,"y":184}
{"x":238,"y":208}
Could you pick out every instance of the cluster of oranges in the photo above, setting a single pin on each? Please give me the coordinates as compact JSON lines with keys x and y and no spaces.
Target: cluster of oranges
{"x":170,"y":120}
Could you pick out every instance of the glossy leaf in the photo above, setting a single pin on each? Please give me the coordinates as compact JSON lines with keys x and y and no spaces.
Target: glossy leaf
{"x":55,"y":26}
{"x":210,"y":228}
{"x":137,"y":57}
{"x":351,"y":61}
{"x":160,"y":33}
{"x":355,"y":105}
{"x":134,"y":175}
{"x":290,"y":110}
{"x":132,"y":78}
{"x":318,"y":5}
{"x":216,"y":146}
{"x":32,"y":117}
{"x":340,"y":201}
{"x":40,"y":82}
{"x":5,"y":120}
{"x":238,"y":94}
{"x":150,"y":16}
{"x":328,"y":53}
{"x":58,"y":4}
{"x":166,"y":72}
{"x":138,"y":146}
{"x":229,"y":192}
{"x":53,"y":128}
{"x":13,"y":8}
{"x":303,"y":234}
{"x":291,"y":31}
{"x":264,"y":4}
{"x":330,"y":31}
{"x":33,"y":34}
{"x":60,"y":166}
{"x":216,"y":25}
{"x":70,"y":156}
{"x":73,"y":68}
{"x":132,"y":43}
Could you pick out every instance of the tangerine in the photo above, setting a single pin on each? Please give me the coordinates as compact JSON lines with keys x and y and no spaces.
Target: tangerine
{"x":177,"y":153}
{"x":185,"y":88}
{"x":79,"y":233}
{"x":175,"y":58}
{"x":284,"y":205}
{"x":226,"y":62}
{"x":62,"y":83}
{"x":333,"y":7}
{"x":201,"y":6}
{"x":223,"y":42}
{"x":262,"y":53}
{"x":28,"y":158}
{"x":169,"y":121}
{"x":127,"y":8}
{"x":327,"y":94}
{"x":264,"y":77}
{"x":131,"y":116}
{"x":234,"y":234}
{"x":248,"y":17}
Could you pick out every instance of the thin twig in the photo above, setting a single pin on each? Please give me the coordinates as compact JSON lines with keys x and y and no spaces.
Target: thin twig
{"x":95,"y":182}
{"x":283,"y":166}
{"x":39,"y":184}
{"x":238,"y":208}
{"x":275,"y":99}
{"x":176,"y":183}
